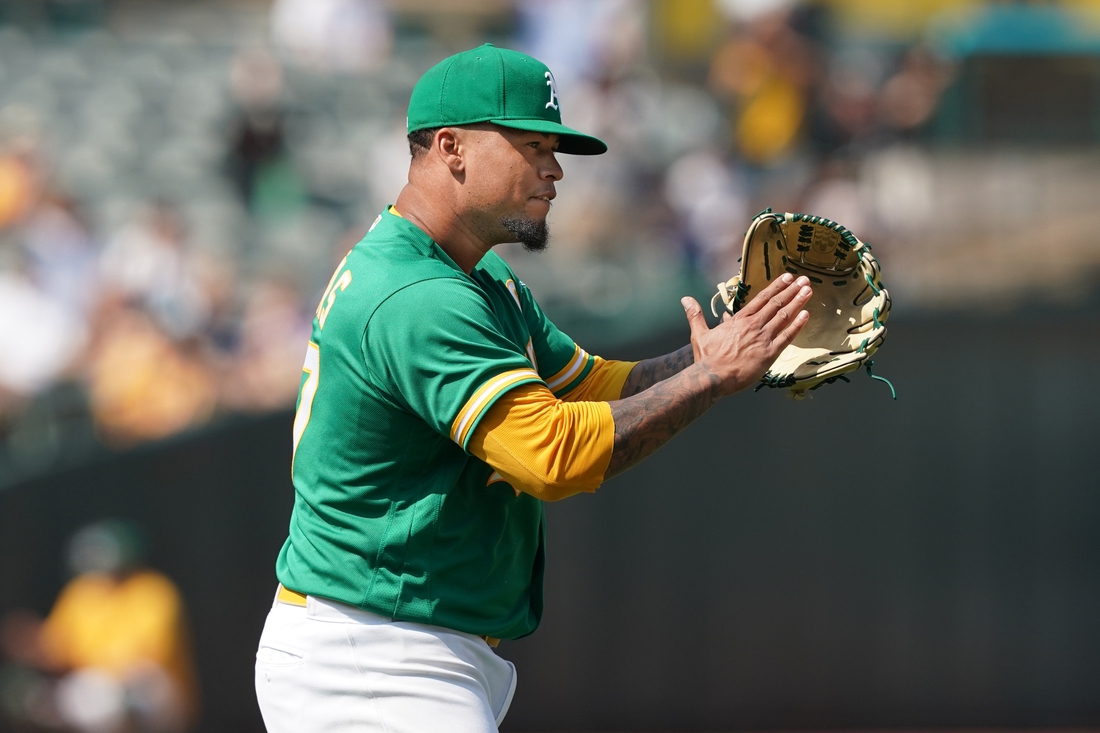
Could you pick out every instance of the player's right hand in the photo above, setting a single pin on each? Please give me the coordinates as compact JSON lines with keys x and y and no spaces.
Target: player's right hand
{"x":741,"y":348}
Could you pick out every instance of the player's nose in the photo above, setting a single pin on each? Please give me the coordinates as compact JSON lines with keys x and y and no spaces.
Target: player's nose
{"x":553,"y":170}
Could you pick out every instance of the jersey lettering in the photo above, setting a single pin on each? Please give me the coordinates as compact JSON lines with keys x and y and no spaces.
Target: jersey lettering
{"x":341,"y":284}
{"x":338,"y":280}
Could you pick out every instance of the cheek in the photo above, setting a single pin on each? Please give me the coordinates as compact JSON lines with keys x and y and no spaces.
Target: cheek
{"x":496,"y":178}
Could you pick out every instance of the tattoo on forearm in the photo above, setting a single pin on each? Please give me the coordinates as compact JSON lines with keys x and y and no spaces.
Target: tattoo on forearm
{"x":651,"y":371}
{"x":646,"y":421}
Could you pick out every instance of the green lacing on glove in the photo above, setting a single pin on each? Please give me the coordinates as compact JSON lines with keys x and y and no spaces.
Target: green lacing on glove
{"x":845,"y":235}
{"x":870,"y":364}
{"x":876,"y":288}
{"x":789,"y":380}
{"x":773,"y":380}
{"x":830,"y":380}
{"x":740,"y":295}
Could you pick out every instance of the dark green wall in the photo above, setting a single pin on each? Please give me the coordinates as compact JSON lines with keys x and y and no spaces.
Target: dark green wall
{"x":215,"y":509}
{"x":846,"y":561}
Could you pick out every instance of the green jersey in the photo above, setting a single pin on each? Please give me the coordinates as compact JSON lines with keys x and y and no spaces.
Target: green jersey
{"x":391,"y":514}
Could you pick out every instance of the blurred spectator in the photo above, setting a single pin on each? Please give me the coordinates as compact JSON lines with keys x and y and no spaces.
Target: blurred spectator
{"x":333,"y":35}
{"x":113,"y":656}
{"x":849,"y":98}
{"x":684,"y":33}
{"x":150,"y":264}
{"x":837,"y":195}
{"x":910,"y":97}
{"x":387,"y":166}
{"x":268,"y":366}
{"x":765,"y":70}
{"x":901,"y":185}
{"x":144,"y":385}
{"x":39,"y":336}
{"x":257,"y":138}
{"x":711,"y":202}
{"x":61,"y":255}
{"x":17,"y":187}
{"x":583,"y":39}
{"x":22,"y":160}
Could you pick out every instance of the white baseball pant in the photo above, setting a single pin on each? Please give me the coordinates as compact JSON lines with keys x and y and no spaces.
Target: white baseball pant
{"x":330,"y":667}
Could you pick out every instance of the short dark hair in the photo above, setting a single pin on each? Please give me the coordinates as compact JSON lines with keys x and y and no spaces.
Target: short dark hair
{"x":420,"y":141}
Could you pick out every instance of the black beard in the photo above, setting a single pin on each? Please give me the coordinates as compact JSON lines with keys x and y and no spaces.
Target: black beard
{"x":533,"y":235}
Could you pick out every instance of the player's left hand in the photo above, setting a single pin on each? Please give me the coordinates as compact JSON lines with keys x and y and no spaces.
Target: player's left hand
{"x":741,"y":348}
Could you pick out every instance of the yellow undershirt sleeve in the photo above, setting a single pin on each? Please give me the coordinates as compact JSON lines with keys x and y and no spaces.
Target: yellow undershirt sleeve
{"x":543,"y":446}
{"x":603,"y":384}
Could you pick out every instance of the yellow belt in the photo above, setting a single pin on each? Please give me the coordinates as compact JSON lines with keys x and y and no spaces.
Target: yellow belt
{"x":294,"y":598}
{"x":290,"y":597}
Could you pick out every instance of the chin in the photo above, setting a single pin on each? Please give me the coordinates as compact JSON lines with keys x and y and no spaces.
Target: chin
{"x":532,"y":232}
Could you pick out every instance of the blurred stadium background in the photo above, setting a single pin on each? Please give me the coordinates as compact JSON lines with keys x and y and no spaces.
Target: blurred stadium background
{"x":179,"y":178}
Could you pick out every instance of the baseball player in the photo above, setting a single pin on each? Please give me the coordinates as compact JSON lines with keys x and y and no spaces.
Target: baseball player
{"x":439,"y":408}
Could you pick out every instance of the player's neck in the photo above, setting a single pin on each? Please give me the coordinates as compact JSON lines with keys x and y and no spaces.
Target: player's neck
{"x":438,"y":218}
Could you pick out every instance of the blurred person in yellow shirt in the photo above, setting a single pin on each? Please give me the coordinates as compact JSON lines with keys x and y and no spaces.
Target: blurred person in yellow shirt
{"x":115,"y":644}
{"x":764,"y":69}
{"x":143,"y":385}
{"x":20,"y":179}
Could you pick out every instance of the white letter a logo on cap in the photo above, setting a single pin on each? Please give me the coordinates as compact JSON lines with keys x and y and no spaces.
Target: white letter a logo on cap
{"x":553,"y":91}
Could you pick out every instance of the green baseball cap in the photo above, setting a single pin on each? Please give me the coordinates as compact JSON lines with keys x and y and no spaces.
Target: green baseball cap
{"x":490,"y":84}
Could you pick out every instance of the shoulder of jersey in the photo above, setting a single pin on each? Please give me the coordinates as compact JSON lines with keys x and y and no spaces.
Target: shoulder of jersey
{"x":394,"y":260}
{"x":494,"y":265}
{"x":385,"y":263}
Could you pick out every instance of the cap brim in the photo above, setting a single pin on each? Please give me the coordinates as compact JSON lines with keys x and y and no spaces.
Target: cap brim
{"x":571,"y":142}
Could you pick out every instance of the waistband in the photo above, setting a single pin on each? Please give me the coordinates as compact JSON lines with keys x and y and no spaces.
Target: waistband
{"x":290,"y":597}
{"x":294,"y":598}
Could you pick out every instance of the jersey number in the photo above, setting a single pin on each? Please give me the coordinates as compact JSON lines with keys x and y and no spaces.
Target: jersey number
{"x":312,"y":370}
{"x":312,"y":367}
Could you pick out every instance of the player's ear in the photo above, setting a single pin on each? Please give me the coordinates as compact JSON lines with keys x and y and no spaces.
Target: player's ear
{"x":447,"y":144}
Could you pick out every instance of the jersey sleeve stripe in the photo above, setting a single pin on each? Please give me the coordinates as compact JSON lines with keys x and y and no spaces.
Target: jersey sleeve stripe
{"x":483,"y":397}
{"x":586,"y":368}
{"x":566,"y":375}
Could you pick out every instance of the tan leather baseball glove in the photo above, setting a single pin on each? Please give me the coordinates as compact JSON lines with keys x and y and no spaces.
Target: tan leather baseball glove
{"x":848,"y":309}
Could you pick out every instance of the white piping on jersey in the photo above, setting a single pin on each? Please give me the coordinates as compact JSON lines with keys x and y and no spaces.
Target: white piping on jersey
{"x":531,"y":354}
{"x":511,"y":285}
